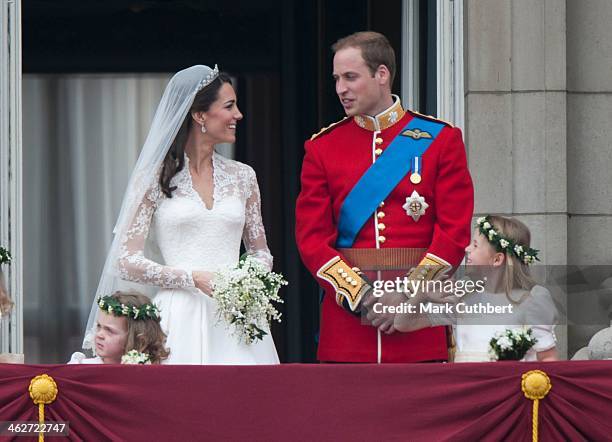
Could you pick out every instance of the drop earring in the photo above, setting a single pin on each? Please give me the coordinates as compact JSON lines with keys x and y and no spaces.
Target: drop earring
{"x":203,"y":129}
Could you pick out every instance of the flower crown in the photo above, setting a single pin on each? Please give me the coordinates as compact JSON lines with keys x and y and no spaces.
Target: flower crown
{"x":114,"y":307}
{"x":525,"y":254}
{"x":5,"y":256}
{"x":209,"y":78}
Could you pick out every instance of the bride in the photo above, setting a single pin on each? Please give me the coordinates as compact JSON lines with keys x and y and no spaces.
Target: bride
{"x":184,"y":215}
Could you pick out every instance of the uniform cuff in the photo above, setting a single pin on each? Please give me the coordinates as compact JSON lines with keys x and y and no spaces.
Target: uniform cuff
{"x":431,"y":267}
{"x":347,"y":283}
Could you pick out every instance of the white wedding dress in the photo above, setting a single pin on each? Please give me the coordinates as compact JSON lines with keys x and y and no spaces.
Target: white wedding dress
{"x":536,"y":311}
{"x":191,"y":237}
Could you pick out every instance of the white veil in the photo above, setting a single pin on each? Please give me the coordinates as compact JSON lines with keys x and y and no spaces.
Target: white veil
{"x":171,"y":112}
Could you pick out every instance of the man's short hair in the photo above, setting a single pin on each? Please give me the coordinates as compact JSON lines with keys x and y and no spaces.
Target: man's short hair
{"x":375,"y":50}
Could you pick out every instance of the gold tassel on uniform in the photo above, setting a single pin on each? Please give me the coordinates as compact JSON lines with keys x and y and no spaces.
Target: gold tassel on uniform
{"x":43,"y":390}
{"x":535,"y":385}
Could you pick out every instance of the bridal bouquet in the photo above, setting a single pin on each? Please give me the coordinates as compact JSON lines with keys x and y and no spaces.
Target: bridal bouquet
{"x":5,"y":300}
{"x":511,"y":345}
{"x":244,"y":295}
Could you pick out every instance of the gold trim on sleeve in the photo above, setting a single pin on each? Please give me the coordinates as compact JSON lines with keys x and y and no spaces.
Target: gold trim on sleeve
{"x":345,"y":280}
{"x":431,"y":267}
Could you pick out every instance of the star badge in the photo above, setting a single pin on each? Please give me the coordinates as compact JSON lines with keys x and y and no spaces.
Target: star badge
{"x":415,"y":205}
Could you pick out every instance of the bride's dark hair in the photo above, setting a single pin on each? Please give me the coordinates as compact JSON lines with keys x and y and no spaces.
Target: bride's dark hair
{"x":175,"y":158}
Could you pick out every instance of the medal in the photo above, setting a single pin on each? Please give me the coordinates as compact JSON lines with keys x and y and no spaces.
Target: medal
{"x":415,"y":177}
{"x":415,"y":206}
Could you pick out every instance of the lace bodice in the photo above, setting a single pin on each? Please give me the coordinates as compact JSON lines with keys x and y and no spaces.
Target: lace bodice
{"x":190,"y":236}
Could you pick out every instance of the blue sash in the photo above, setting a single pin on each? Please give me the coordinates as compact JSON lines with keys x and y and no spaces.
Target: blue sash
{"x":382,"y":177}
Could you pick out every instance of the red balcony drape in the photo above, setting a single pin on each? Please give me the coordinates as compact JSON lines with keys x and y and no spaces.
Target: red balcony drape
{"x":317,"y":402}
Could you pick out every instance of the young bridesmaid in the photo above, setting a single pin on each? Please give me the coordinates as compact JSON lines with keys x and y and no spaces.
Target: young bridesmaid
{"x":500,"y":255}
{"x":126,"y":322}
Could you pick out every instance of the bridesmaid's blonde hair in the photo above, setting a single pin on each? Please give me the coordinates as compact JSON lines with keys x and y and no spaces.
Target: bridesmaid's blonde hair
{"x":516,"y":274}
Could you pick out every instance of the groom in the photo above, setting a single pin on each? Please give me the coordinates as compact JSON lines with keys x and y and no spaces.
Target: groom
{"x":384,"y":188}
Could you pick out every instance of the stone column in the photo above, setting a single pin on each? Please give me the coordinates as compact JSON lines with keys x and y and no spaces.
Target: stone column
{"x":589,"y":151}
{"x":516,"y":117}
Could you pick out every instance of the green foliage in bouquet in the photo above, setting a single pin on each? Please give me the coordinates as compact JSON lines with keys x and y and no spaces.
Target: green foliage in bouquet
{"x":5,"y":256}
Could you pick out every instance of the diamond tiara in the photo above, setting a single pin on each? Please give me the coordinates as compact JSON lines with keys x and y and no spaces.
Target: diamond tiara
{"x":209,"y":78}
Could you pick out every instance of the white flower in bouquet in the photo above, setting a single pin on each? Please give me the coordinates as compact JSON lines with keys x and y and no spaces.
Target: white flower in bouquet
{"x":244,"y":295}
{"x":504,"y":343}
{"x":516,"y":333}
{"x":134,"y":357}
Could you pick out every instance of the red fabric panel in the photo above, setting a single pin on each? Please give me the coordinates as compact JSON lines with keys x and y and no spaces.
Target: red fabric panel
{"x":317,"y":402}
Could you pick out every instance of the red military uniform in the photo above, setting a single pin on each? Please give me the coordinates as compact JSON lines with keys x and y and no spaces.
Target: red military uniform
{"x":334,"y":161}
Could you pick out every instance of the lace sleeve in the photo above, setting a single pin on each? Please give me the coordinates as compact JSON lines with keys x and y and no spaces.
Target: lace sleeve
{"x":132,"y":263}
{"x":254,"y":234}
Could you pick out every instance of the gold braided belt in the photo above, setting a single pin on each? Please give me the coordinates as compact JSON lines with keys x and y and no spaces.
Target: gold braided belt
{"x":384,"y":259}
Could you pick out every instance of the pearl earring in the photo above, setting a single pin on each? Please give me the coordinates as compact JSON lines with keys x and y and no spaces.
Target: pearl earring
{"x":203,"y":129}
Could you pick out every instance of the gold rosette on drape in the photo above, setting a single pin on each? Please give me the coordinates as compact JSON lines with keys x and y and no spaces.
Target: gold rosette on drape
{"x":43,"y":390}
{"x":535,"y":385}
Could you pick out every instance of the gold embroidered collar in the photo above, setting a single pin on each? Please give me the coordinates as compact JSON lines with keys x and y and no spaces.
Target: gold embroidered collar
{"x":383,"y":120}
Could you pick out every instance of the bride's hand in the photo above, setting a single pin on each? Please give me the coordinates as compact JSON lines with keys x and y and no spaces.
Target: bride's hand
{"x":203,"y":281}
